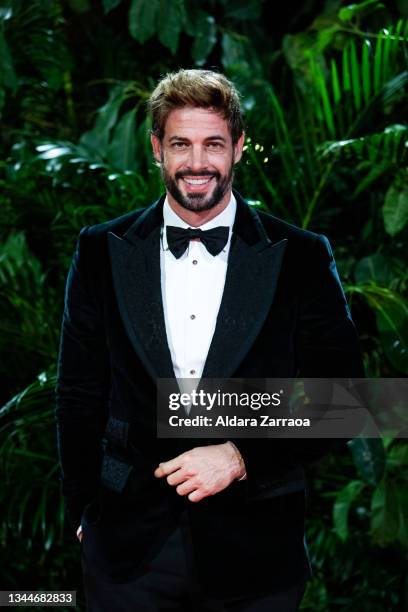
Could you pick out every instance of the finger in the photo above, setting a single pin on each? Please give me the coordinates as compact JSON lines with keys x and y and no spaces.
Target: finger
{"x":187,"y":487}
{"x":167,"y":467}
{"x":197,"y":495}
{"x":177,"y":477}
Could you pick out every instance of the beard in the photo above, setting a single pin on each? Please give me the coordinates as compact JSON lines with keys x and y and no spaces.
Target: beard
{"x":198,"y":202}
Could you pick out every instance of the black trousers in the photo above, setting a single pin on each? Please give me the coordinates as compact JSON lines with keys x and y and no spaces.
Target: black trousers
{"x":168,"y":582}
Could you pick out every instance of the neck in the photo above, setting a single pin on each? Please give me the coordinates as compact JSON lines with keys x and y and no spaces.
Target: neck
{"x":195,"y":218}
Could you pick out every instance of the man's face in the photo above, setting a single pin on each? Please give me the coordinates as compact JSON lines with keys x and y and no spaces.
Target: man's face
{"x":197,"y":157}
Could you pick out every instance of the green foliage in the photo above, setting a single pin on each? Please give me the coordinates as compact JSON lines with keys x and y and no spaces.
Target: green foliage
{"x":369,"y":458}
{"x":395,"y":209}
{"x":342,"y":505}
{"x":374,"y":269}
{"x":143,"y":17}
{"x":339,"y":99}
{"x":355,"y":10}
{"x":205,"y":38}
{"x":31,"y":508}
{"x":8,"y":78}
{"x":26,"y":311}
{"x":391,"y":311}
{"x":347,"y":510}
{"x":109,"y":5}
{"x":168,"y":20}
{"x":386,"y":497}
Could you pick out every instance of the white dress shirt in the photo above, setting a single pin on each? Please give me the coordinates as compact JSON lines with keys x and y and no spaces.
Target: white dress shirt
{"x":192,"y":288}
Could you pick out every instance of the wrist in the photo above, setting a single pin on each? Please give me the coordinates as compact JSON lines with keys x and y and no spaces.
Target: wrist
{"x":239,"y":471}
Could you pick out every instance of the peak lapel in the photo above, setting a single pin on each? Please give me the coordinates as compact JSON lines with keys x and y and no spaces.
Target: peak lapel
{"x":135,"y":261}
{"x":253,"y":270}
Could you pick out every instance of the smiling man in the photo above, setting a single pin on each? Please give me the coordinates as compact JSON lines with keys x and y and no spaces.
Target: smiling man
{"x":198,"y":284}
{"x":197,"y":157}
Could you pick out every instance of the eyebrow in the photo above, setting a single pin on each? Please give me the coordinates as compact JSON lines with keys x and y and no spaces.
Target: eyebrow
{"x":212,"y":138}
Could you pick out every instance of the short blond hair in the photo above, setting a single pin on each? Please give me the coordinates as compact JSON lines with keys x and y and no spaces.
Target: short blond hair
{"x":199,"y":89}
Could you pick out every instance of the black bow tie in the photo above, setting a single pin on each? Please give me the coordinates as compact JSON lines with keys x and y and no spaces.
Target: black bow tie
{"x":213,"y":239}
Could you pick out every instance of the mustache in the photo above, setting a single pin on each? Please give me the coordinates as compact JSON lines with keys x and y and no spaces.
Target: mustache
{"x":182,"y":174}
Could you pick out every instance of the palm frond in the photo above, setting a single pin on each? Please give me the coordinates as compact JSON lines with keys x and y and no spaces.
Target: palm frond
{"x":27,"y":308}
{"x":341,"y":97}
{"x":30,"y":500}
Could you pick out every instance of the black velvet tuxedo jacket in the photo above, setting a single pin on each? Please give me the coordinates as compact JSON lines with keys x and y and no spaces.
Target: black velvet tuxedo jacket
{"x":283,"y":314}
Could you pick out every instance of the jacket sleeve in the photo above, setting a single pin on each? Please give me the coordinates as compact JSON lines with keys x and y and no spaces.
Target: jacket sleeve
{"x":326,"y":346}
{"x":82,"y":388}
{"x":327,"y":343}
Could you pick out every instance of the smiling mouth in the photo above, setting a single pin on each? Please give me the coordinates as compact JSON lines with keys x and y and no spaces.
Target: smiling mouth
{"x":197,"y":181}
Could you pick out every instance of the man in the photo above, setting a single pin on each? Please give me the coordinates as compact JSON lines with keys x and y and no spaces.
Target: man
{"x":190,"y":524}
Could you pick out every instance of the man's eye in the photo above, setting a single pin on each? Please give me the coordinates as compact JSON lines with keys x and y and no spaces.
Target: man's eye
{"x":214,"y":145}
{"x":179,"y":145}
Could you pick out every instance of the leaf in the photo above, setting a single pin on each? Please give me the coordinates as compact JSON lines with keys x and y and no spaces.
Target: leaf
{"x":6,"y":13}
{"x":109,"y":5}
{"x":395,"y":209}
{"x":375,"y":171}
{"x":244,"y":10}
{"x":342,"y":505}
{"x":346,"y":69}
{"x":374,"y":268}
{"x":233,"y":51}
{"x":171,"y":18}
{"x":402,"y":536}
{"x":327,"y":108}
{"x":143,"y":145}
{"x":20,"y":270}
{"x":8,"y":76}
{"x":190,"y":18}
{"x":348,"y":13}
{"x":335,"y":82}
{"x":79,"y":6}
{"x":398,"y":456}
{"x":386,"y":54}
{"x":53,"y":151}
{"x":325,"y":99}
{"x":143,"y":16}
{"x":49,"y":538}
{"x":377,"y":151}
{"x":369,"y":458}
{"x":122,"y":150}
{"x":385,"y":512}
{"x":2,"y":98}
{"x":355,"y":75}
{"x":395,"y":42}
{"x":392,"y":324}
{"x":205,"y":37}
{"x":97,"y":139}
{"x":366,"y":71}
{"x":378,"y":64}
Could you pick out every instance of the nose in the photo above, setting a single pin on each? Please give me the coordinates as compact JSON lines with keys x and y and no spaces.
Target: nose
{"x":198,"y":158}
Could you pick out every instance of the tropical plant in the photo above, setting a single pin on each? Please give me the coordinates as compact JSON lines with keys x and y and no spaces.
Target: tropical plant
{"x":349,"y":508}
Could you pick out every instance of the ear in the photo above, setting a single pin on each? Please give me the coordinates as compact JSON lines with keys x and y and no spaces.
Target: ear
{"x":238,"y":148}
{"x":156,"y":146}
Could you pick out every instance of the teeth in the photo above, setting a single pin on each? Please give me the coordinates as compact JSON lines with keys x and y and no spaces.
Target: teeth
{"x":197,"y":181}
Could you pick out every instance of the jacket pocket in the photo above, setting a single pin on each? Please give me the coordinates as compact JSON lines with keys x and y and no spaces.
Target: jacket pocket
{"x":115,"y":473}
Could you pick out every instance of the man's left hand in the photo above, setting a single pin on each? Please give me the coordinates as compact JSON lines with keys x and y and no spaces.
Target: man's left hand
{"x":203,"y":470}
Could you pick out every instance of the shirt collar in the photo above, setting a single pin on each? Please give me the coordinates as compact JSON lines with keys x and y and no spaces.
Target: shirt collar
{"x":225,"y":218}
